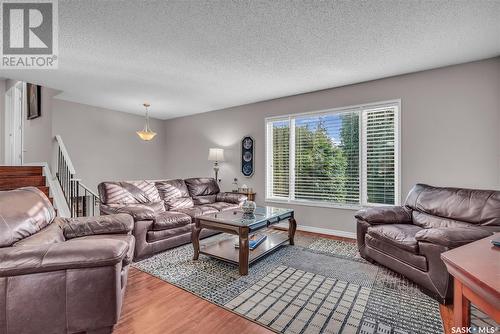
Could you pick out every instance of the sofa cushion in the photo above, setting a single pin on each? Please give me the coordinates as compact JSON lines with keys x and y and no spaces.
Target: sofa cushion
{"x":172,"y":189}
{"x":202,"y":200}
{"x":145,"y":211}
{"x":198,"y":210}
{"x":179,"y":203}
{"x":170,"y":219}
{"x":399,"y":235}
{"x":23,"y":212}
{"x":153,"y":236}
{"x":415,"y":260}
{"x":426,"y":220}
{"x":467,"y":205}
{"x":128,"y":192}
{"x":202,"y":186}
{"x":452,"y":237}
{"x":231,"y":197}
{"x":175,"y":194}
{"x":223,"y":206}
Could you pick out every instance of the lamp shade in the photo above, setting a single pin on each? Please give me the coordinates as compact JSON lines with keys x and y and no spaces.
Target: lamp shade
{"x":216,"y":154}
{"x":146,"y":134}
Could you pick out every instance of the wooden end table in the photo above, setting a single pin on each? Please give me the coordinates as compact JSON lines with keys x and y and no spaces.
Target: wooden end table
{"x":475,"y":268}
{"x":249,"y":194}
{"x":235,"y":222}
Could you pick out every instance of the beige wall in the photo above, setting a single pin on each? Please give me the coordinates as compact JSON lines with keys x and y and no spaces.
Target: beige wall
{"x":450,"y":121}
{"x":5,"y":85}
{"x":103,"y":144}
{"x":37,"y":136}
{"x":2,"y":121}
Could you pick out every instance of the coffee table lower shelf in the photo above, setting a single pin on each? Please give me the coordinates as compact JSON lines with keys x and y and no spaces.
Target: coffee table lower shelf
{"x":235,"y":222}
{"x":224,"y":250}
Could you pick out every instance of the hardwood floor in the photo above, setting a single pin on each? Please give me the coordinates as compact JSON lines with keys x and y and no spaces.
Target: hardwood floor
{"x":154,"y":306}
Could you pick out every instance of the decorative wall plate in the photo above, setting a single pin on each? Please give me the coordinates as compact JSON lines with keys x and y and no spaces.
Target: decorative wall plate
{"x":247,"y":156}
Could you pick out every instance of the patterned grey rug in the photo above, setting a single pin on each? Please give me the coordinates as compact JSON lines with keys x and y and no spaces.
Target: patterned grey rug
{"x":317,"y":286}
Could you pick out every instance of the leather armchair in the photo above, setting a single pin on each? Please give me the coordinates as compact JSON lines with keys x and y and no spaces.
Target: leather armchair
{"x":60,"y":275}
{"x":409,"y":239}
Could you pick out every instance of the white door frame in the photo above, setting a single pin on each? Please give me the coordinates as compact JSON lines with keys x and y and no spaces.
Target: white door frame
{"x":14,"y":125}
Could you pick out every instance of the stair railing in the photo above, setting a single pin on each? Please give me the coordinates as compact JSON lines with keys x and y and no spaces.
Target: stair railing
{"x":85,"y":202}
{"x":82,"y":201}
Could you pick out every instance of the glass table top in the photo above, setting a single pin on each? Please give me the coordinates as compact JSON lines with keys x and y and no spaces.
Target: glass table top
{"x":238,"y":218}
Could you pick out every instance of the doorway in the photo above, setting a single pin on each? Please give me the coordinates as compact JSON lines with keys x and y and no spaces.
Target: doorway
{"x":14,"y":125}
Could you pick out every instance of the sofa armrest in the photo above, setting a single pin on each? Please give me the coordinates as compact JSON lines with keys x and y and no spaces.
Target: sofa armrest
{"x":112,"y":224}
{"x":451,"y":237}
{"x":231,"y":198}
{"x":385,"y":215}
{"x":137,"y":211}
{"x":76,"y":254}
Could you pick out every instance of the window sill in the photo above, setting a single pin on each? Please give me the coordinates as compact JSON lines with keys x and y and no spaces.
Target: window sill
{"x":352,"y":207}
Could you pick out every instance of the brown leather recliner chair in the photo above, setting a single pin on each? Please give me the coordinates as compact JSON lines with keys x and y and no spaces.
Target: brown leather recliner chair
{"x":164,"y":210}
{"x":60,"y":275}
{"x":409,"y":239}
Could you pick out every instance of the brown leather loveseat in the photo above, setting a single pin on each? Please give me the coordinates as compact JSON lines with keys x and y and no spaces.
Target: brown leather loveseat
{"x":409,"y":239}
{"x":60,"y":275}
{"x":163,"y":211}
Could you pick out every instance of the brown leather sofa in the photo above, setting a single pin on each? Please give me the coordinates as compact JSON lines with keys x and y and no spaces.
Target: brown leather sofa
{"x":163,"y":211}
{"x":409,"y":239}
{"x":60,"y":275}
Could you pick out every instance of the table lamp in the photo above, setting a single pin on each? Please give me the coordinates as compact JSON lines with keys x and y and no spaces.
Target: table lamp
{"x":216,"y":155}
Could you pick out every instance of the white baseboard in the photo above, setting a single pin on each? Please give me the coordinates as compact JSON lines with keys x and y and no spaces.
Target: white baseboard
{"x":321,"y":230}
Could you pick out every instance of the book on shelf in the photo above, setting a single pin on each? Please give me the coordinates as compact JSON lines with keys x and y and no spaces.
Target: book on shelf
{"x":253,"y":241}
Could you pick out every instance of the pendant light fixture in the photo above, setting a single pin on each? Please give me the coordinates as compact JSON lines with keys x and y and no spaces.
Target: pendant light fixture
{"x":146,"y":134}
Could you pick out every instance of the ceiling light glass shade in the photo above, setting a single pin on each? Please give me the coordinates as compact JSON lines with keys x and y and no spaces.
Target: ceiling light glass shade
{"x":216,"y":154}
{"x":146,"y":134}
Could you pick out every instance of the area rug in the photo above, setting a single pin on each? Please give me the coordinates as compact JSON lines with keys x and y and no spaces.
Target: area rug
{"x":317,"y":286}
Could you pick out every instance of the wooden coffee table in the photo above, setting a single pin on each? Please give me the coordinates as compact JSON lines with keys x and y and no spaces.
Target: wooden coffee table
{"x":235,"y":222}
{"x":475,"y":268}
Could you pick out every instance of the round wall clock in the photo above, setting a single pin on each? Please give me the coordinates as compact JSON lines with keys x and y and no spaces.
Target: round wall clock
{"x":247,"y":156}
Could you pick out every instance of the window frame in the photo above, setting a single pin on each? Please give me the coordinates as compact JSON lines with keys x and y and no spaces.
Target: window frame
{"x":396,"y":103}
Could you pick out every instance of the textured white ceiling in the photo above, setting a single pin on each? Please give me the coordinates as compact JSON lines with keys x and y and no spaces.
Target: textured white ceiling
{"x":187,"y":57}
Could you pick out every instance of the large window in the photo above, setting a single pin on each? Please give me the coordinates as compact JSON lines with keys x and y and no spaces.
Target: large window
{"x":341,"y":157}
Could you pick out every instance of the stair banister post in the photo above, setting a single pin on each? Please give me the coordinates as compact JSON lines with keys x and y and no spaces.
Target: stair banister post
{"x":77,"y":182}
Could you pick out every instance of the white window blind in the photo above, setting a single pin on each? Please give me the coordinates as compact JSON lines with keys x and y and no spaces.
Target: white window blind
{"x":278,"y":155}
{"x":346,"y":157}
{"x":379,"y":158}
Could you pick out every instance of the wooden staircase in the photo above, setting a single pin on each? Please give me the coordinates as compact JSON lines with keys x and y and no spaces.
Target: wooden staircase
{"x":13,"y":177}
